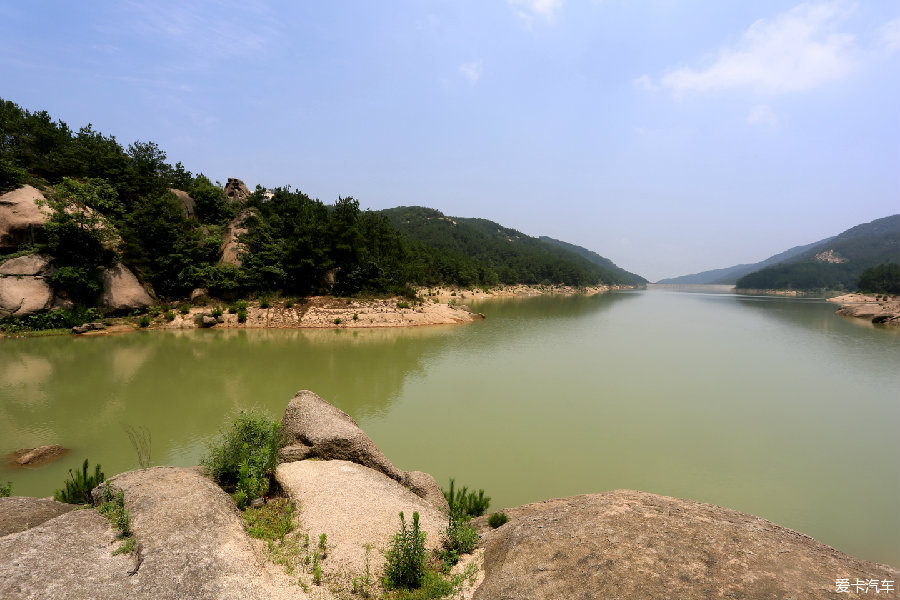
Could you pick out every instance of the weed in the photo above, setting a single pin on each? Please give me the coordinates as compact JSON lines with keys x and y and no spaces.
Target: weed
{"x":403,"y":305}
{"x":144,"y":321}
{"x":323,"y":545}
{"x":355,"y":317}
{"x":337,"y":321}
{"x":6,"y":489}
{"x":264,"y":302}
{"x":113,"y":508}
{"x":271,"y":521}
{"x":460,"y":537}
{"x":405,"y":560}
{"x":141,"y":442}
{"x":170,"y":316}
{"x":497,"y":519}
{"x":289,"y":303}
{"x":471,"y":503}
{"x":242,"y":315}
{"x":217,"y":312}
{"x":78,"y":487}
{"x":127,"y":547}
{"x":184,"y":309}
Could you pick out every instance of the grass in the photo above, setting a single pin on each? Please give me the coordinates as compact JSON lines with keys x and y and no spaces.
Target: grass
{"x":272,"y":521}
{"x":144,"y":321}
{"x":403,"y":305}
{"x":113,"y":508}
{"x":78,"y":488}
{"x":184,"y":309}
{"x":170,"y":316}
{"x":6,"y":489}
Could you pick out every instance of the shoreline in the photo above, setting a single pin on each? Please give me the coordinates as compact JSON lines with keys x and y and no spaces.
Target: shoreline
{"x":870,"y":308}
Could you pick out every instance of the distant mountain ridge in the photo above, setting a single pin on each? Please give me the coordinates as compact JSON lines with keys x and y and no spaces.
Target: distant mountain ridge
{"x":497,"y":254}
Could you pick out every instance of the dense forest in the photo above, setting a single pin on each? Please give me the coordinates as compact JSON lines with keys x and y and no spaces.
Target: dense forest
{"x":111,"y":203}
{"x":835,"y":264}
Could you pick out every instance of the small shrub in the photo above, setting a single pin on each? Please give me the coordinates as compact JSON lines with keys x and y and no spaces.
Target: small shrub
{"x":460,"y":537}
{"x":452,"y":293}
{"x":144,"y":321}
{"x":323,"y":545}
{"x":113,"y":508}
{"x":271,"y":521}
{"x":232,"y":309}
{"x":78,"y":487}
{"x":244,"y":457}
{"x":497,"y":519}
{"x":403,"y":305}
{"x":242,"y":315}
{"x":6,"y":489}
{"x":355,"y":317}
{"x":405,"y":560}
{"x":463,"y":501}
{"x":170,"y":316}
{"x":289,"y":303}
{"x":241,"y":304}
{"x":337,"y":321}
{"x":264,"y":302}
{"x":217,"y":312}
{"x":184,"y":309}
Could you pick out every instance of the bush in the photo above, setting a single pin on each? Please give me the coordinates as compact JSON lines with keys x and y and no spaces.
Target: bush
{"x":355,"y":317}
{"x":497,"y":519}
{"x":337,"y":321}
{"x":403,"y":305}
{"x":405,"y":560}
{"x":170,"y":316}
{"x":460,"y":537}
{"x":184,"y":309}
{"x":6,"y":489}
{"x":473,"y":504}
{"x":264,"y":302}
{"x":243,"y":459}
{"x":60,"y":318}
{"x":242,"y":315}
{"x":217,"y":312}
{"x":289,"y":303}
{"x":78,"y":487}
{"x":144,"y":321}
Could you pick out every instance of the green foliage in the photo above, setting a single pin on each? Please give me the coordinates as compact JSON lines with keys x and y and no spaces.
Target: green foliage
{"x":210,"y":203}
{"x":497,"y":519}
{"x":355,"y":316}
{"x":170,"y":316}
{"x":184,"y":308}
{"x":243,"y":458}
{"x":144,"y":321}
{"x":405,"y":564}
{"x":272,"y":521}
{"x":460,"y":537}
{"x":403,"y":305}
{"x":217,"y":312}
{"x":337,"y":321}
{"x":883,"y":279}
{"x":241,"y":315}
{"x":78,"y":487}
{"x":6,"y":489}
{"x":61,"y":318}
{"x":264,"y":302}
{"x":113,"y":508}
{"x":289,"y":303}
{"x":464,"y":502}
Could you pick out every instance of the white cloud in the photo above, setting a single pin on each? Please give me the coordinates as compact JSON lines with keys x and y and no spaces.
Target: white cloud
{"x":645,"y":83}
{"x":890,"y":35}
{"x":762,"y":115}
{"x":472,"y":71}
{"x":794,"y":51}
{"x":529,"y":10}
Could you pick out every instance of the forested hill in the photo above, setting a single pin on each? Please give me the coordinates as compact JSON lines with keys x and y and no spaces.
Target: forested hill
{"x":595,"y":258}
{"x":834,"y":264}
{"x":730,"y":275}
{"x":496,"y":253}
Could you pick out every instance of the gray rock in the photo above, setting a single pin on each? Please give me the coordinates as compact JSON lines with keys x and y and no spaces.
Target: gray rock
{"x":21,"y":216}
{"x":187,"y":203}
{"x":32,"y":264}
{"x":627,"y":544}
{"x":236,"y":191}
{"x":199,"y":295}
{"x":87,"y":327}
{"x":21,"y":295}
{"x":39,"y":455}
{"x":331,"y":434}
{"x":20,"y":513}
{"x":122,"y":290}
{"x":232,"y":248}
{"x":207,"y":321}
{"x":425,"y":486}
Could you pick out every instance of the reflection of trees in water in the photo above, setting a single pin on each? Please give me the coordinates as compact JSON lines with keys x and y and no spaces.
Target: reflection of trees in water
{"x":549,"y":307}
{"x":799,"y":312}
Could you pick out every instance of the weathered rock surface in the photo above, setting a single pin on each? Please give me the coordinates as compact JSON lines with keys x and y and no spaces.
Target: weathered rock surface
{"x":21,"y":295}
{"x":869,"y":308}
{"x":231,"y":246}
{"x":20,"y":513}
{"x":122,"y":290}
{"x":316,"y":429}
{"x":39,"y":455}
{"x":207,"y":321}
{"x":627,"y":544}
{"x":354,"y":506}
{"x":21,"y":216}
{"x":236,"y":191}
{"x":187,"y":203}
{"x":425,"y":486}
{"x":199,"y":295}
{"x":87,"y":328}
{"x":31,"y":264}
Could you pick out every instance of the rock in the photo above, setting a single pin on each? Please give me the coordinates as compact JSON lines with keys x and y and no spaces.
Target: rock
{"x":331,"y":434}
{"x":21,"y":217}
{"x":21,"y":295}
{"x":199,"y":295}
{"x":36,"y":456}
{"x":236,"y":191}
{"x":191,"y":538}
{"x":187,"y":203}
{"x":122,"y":290}
{"x":354,"y":506}
{"x":425,"y":486}
{"x":31,"y":264}
{"x":627,"y":544}
{"x":20,"y":513}
{"x":231,"y":247}
{"x":88,"y":327}
{"x":207,"y":321}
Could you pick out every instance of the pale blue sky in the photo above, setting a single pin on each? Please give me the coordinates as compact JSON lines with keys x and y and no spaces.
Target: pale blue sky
{"x":671,"y":137}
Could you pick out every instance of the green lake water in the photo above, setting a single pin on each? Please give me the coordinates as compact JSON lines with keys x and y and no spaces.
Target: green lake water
{"x":772,"y":406}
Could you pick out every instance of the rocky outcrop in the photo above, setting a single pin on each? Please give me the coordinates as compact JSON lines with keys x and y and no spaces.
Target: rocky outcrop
{"x":23,"y":295}
{"x":425,"y":486}
{"x":329,"y":492}
{"x":236,"y":191}
{"x":21,"y":217}
{"x":627,"y":544}
{"x":20,"y":513}
{"x":88,"y":328}
{"x":870,"y":308}
{"x":187,"y":203}
{"x":122,"y":290}
{"x":31,"y":265}
{"x":232,"y":248}
{"x":39,"y":455}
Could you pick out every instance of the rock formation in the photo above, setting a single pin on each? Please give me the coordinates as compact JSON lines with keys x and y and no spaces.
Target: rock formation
{"x":231,"y":246}
{"x":122,"y":290}
{"x":21,"y":217}
{"x":20,"y":513}
{"x":236,"y":191}
{"x":39,"y":455}
{"x":187,"y":203}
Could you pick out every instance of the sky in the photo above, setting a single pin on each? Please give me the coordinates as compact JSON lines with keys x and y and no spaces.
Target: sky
{"x":671,"y":137}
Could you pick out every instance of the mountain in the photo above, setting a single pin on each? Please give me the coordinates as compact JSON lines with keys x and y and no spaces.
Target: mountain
{"x":834,"y":264}
{"x":596,"y":259}
{"x":730,"y":275}
{"x":492,"y":253}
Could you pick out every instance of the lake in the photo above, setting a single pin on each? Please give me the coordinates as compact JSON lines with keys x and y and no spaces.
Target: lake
{"x":771,"y":406}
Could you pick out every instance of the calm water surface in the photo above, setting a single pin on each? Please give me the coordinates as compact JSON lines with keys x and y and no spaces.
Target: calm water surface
{"x":771,"y":406}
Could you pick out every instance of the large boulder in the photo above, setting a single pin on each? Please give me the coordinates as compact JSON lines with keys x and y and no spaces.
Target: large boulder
{"x":22,"y":295}
{"x":21,"y":215}
{"x":187,"y":203}
{"x":20,"y":513}
{"x":627,"y":544}
{"x":122,"y":290}
{"x":354,"y":506}
{"x":313,"y":428}
{"x":231,"y":246}
{"x":236,"y":191}
{"x":190,"y":539}
{"x":30,"y":264}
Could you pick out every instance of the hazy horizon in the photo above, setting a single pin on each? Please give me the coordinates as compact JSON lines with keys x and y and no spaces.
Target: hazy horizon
{"x":671,"y":138}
